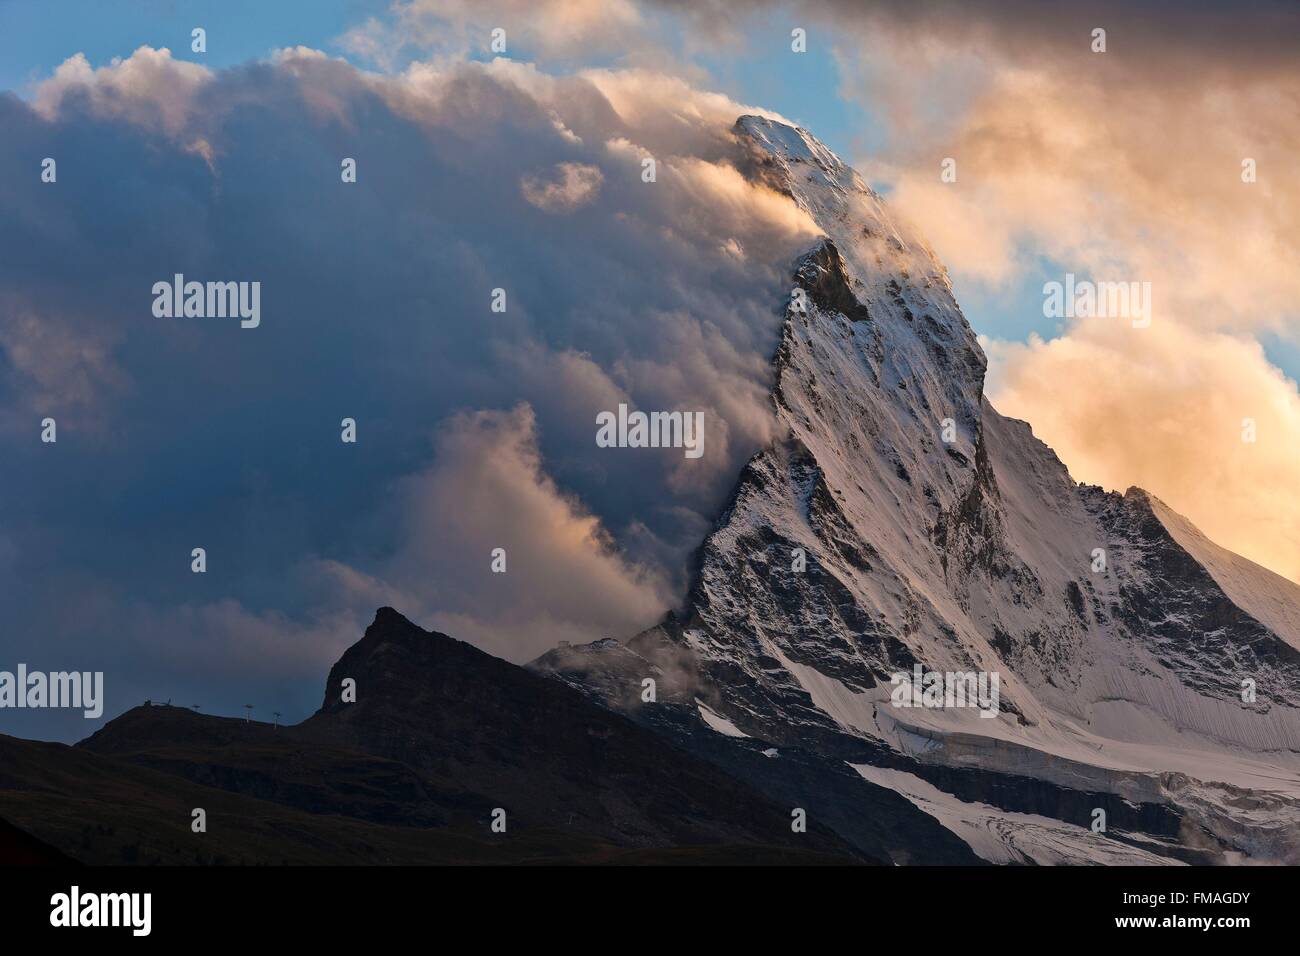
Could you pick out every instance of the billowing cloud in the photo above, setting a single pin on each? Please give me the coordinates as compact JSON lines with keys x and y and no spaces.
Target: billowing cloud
{"x":1139,"y":190}
{"x":149,"y":88}
{"x":377,"y":304}
{"x":53,"y":365}
{"x":493,"y":551}
{"x":563,"y":188}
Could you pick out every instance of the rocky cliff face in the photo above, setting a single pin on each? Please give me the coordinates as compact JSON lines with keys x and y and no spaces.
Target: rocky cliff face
{"x":902,"y":521}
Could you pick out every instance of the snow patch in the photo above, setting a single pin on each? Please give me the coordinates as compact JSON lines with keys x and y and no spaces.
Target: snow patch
{"x":1003,"y":837}
{"x":719,"y":723}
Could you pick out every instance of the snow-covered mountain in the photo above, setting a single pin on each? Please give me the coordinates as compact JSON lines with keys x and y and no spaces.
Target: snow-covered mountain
{"x":902,"y":521}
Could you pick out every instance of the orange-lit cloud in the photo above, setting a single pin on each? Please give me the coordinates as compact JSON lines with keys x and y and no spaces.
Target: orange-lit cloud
{"x":563,"y":577}
{"x":1200,"y":418}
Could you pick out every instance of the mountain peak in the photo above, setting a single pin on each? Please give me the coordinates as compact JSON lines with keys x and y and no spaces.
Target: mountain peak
{"x":388,"y":616}
{"x":391,"y":621}
{"x":795,"y":145}
{"x":901,"y":522}
{"x":876,"y":271}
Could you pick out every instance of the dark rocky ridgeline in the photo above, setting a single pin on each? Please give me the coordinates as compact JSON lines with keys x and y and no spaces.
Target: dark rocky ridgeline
{"x":440,"y":735}
{"x":537,"y":748}
{"x":465,"y":718}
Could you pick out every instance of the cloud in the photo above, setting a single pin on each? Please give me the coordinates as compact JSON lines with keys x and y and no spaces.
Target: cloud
{"x":54,"y":366}
{"x":375,"y":305}
{"x":566,"y":187}
{"x":148,"y":88}
{"x":487,"y":489}
{"x":1139,"y":190}
{"x":1150,"y":37}
{"x":669,"y":115}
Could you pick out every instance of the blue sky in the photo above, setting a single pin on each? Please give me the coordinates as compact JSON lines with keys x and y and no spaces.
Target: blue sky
{"x":35,"y":36}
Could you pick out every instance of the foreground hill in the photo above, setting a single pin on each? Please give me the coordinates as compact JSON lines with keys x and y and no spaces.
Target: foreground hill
{"x":439,"y":737}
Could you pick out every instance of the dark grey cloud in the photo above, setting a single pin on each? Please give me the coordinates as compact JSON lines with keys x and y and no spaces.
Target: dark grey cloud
{"x":1172,"y":39}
